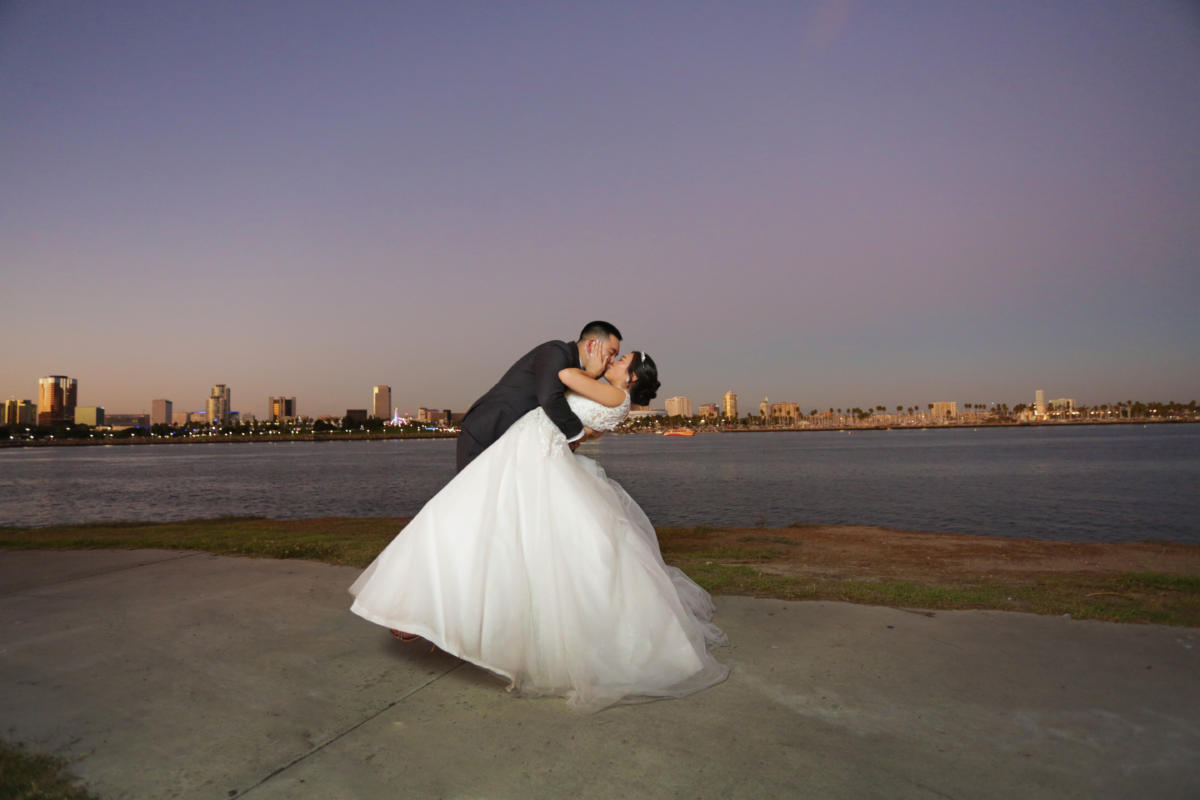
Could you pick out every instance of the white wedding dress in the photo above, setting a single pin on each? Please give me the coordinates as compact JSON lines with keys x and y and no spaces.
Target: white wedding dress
{"x":533,"y":564}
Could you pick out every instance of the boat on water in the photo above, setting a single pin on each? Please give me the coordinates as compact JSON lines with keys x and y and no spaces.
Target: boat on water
{"x":679,"y":432}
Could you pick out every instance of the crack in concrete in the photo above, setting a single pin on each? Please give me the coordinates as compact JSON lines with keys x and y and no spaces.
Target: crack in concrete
{"x":352,"y":728}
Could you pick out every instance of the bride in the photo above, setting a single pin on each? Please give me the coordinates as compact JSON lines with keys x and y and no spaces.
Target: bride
{"x":533,"y":564}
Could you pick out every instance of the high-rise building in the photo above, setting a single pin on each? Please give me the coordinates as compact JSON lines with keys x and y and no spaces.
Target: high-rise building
{"x":219,"y":405}
{"x":19,"y":412}
{"x":1039,"y":402}
{"x":56,"y":399}
{"x":679,"y":407}
{"x":729,"y":407}
{"x":708,"y":410}
{"x":381,"y":401}
{"x":281,"y":409}
{"x":181,"y":418}
{"x":160,"y":412}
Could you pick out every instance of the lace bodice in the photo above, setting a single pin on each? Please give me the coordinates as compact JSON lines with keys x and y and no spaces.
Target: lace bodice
{"x":595,"y":415}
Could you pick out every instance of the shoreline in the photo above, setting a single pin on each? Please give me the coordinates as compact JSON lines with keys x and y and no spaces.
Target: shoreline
{"x":251,"y":439}
{"x":350,"y":437}
{"x":972,"y":425}
{"x":1142,"y":582}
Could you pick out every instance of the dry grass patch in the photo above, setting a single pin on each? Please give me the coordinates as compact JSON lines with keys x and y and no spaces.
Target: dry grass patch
{"x":1155,"y":582}
{"x":346,"y":541}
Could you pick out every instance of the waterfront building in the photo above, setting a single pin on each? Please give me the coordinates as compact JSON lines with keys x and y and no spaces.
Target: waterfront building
{"x":786,"y":413}
{"x":354,"y":415}
{"x":644,"y":412}
{"x":381,"y":401}
{"x":56,"y":399}
{"x":1063,"y":405}
{"x":1039,"y":403}
{"x":945,"y":410}
{"x":679,"y":407}
{"x":436,"y":416}
{"x":160,"y":412}
{"x":281,"y":409}
{"x":729,"y":407}
{"x":93,"y":416}
{"x":708,"y":410}
{"x":127,"y":420}
{"x":219,"y":405}
{"x":429,"y":414}
{"x":181,"y":418}
{"x":20,"y":412}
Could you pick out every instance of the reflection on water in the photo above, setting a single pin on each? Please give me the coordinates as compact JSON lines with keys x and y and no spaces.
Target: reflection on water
{"x":1081,"y":483}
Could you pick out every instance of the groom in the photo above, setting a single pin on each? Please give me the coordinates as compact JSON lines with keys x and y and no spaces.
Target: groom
{"x":532,"y":382}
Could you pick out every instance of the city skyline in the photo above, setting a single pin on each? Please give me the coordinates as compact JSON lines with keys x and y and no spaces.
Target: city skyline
{"x":824,"y":202}
{"x":285,"y":408}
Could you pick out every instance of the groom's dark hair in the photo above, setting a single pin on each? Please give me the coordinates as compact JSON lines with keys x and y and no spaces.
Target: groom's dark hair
{"x":598,"y":329}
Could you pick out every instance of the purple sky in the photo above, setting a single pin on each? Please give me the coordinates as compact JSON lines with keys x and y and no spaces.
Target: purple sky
{"x":836,"y":203}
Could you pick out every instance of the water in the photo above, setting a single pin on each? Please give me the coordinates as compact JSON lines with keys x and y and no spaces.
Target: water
{"x":1094,"y":483}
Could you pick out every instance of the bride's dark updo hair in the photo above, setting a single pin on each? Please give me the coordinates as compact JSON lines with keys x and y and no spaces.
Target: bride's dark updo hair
{"x":645,"y":388}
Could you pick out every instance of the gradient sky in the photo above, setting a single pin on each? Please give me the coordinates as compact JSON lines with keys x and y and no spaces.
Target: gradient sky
{"x":834,"y":203}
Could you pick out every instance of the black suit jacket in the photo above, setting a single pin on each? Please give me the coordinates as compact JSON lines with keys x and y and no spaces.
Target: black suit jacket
{"x":531,"y":382}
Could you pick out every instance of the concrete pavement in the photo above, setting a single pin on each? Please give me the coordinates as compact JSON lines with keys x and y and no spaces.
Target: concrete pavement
{"x":174,"y":674}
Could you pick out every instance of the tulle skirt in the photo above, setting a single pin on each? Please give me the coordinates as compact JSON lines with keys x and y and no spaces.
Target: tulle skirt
{"x":533,"y":564}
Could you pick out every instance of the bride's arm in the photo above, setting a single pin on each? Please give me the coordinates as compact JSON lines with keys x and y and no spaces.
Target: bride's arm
{"x":580,"y":382}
